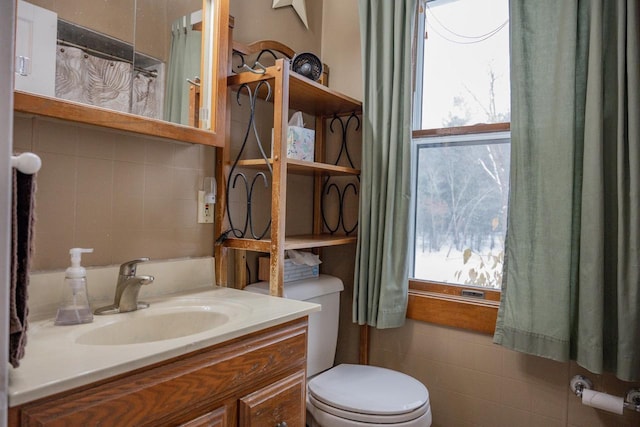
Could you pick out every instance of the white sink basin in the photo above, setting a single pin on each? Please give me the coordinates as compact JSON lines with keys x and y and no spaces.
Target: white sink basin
{"x":154,"y":327}
{"x":168,"y":319}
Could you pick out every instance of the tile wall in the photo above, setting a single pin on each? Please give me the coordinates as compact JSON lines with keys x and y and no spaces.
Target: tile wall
{"x":473,"y":382}
{"x":124,"y":195}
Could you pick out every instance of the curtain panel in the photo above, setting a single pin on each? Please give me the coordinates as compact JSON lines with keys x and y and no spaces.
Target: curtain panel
{"x":380,"y":282}
{"x":184,"y":63}
{"x":571,"y":288}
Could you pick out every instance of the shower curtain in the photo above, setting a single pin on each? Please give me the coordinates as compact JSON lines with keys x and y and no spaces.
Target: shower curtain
{"x":107,"y":83}
{"x":184,"y":63}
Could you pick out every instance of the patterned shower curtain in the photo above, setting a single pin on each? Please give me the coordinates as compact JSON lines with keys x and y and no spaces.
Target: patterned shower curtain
{"x":106,"y":83}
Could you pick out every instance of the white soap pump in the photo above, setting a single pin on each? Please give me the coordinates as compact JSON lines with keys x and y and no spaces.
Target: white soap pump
{"x":74,"y":303}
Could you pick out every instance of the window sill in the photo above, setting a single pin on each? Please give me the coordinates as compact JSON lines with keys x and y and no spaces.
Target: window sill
{"x":448,"y":309}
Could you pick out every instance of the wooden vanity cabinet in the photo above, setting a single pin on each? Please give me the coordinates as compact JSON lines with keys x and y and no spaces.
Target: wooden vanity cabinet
{"x":255,"y":380}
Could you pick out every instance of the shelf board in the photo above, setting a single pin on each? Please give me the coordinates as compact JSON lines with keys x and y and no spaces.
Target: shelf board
{"x":314,"y":98}
{"x":88,"y":114}
{"x":301,"y":167}
{"x":306,"y":241}
{"x":304,"y":94}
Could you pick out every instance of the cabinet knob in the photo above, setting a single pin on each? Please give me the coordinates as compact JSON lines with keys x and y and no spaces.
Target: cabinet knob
{"x":282,"y":424}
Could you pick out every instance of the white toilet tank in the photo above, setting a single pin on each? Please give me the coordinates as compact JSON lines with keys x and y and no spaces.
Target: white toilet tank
{"x":323,"y":325}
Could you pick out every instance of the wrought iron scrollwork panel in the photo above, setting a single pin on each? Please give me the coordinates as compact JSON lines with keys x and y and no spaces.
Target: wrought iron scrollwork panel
{"x":257,"y":67}
{"x":332,"y":186}
{"x":236,"y":178}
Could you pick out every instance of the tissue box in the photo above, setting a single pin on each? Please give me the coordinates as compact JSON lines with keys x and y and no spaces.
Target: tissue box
{"x":291,"y":271}
{"x":300,"y":143}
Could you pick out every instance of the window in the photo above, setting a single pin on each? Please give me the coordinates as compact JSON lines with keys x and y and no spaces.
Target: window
{"x":461,"y":207}
{"x":461,"y":144}
{"x":463,"y":63}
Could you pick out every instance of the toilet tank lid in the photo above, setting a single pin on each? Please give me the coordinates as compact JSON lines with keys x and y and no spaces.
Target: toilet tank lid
{"x":303,"y":290}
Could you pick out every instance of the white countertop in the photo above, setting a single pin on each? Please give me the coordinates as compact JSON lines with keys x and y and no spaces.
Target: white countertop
{"x":54,"y":362}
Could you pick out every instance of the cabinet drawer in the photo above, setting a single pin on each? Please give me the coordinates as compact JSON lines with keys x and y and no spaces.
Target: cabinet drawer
{"x":278,"y":403}
{"x":217,"y":418}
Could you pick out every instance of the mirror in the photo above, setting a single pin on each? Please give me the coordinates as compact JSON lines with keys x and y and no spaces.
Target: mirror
{"x":135,"y":56}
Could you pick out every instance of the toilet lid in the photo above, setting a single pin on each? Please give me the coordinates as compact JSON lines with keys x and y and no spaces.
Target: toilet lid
{"x":369,"y":390}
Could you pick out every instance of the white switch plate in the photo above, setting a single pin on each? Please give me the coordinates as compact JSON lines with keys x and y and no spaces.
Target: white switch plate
{"x":205,"y":210}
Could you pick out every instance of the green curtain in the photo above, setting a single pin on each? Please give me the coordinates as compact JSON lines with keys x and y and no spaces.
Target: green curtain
{"x":572,"y":273}
{"x":380,"y":282}
{"x":184,"y":63}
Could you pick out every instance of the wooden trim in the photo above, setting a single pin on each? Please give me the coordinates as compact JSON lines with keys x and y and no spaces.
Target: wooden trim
{"x":234,"y":80}
{"x":194,"y":105}
{"x":260,"y":45}
{"x":88,"y":114}
{"x":221,"y":253}
{"x":241,"y":279}
{"x":221,"y":64}
{"x":303,"y":167}
{"x":364,"y":345}
{"x":303,"y":241}
{"x":457,"y":312}
{"x":462,"y":130}
{"x":451,"y":290}
{"x":291,"y":242}
{"x":263,"y":245}
{"x":279,"y":180}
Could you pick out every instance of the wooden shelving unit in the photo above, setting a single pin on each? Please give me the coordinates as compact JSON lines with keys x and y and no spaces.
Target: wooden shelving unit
{"x":288,"y":91}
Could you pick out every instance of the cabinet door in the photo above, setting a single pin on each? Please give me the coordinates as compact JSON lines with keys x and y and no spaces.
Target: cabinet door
{"x":36,"y":30}
{"x":280,"y":404}
{"x":217,"y":418}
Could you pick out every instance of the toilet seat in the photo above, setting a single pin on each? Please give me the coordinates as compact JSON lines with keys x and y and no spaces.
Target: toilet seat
{"x":369,"y":394}
{"x":414,"y":418}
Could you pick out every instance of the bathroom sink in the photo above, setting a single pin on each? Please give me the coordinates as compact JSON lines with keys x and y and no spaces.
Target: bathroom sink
{"x":154,"y":326}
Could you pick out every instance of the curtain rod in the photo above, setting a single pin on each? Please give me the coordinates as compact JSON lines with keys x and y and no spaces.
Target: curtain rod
{"x":88,"y":50}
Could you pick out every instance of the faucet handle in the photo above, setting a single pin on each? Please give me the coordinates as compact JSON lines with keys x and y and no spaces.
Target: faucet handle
{"x":129,"y":268}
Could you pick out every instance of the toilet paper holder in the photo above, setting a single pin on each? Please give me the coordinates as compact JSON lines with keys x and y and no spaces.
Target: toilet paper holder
{"x":631,"y":401}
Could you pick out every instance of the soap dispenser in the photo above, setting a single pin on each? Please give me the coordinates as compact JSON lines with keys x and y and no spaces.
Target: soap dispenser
{"x":74,"y":303}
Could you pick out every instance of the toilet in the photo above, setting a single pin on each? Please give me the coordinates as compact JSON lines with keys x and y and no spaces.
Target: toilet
{"x":349,"y":395}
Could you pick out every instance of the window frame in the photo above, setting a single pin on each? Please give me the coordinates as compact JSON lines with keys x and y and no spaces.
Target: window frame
{"x":430,"y":301}
{"x":443,"y":303}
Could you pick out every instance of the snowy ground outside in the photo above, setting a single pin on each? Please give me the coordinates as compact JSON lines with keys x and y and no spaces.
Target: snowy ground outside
{"x":443,"y":266}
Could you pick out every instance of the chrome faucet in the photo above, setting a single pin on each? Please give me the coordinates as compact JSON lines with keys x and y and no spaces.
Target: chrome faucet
{"x":127,"y":289}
